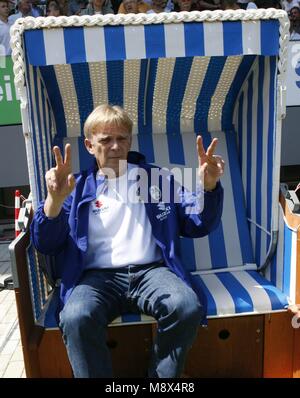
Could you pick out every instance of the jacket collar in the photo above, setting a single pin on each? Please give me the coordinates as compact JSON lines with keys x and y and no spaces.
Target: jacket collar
{"x":136,"y":158}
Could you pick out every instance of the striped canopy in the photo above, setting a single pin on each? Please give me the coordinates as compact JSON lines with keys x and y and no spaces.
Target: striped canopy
{"x":171,"y":95}
{"x":112,"y":43}
{"x":172,"y":77}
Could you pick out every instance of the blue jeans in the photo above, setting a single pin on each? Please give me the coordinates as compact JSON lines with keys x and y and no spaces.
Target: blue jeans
{"x":103,"y":295}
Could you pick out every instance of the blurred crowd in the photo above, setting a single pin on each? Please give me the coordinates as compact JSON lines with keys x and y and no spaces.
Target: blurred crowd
{"x":11,"y":10}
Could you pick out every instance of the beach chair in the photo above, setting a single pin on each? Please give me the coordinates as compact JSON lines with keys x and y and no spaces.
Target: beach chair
{"x":218,"y":74}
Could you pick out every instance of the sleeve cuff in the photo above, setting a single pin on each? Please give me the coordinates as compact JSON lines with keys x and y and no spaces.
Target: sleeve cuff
{"x":42,"y":216}
{"x":215,"y":190}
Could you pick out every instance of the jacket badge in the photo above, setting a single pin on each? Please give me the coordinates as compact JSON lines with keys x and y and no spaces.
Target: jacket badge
{"x":155,"y":192}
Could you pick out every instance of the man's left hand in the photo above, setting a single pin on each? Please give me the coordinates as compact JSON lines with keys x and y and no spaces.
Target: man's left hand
{"x":210,"y":166}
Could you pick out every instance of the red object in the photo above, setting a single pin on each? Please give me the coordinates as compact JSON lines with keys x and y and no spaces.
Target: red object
{"x":17,"y":211}
{"x":98,"y":204}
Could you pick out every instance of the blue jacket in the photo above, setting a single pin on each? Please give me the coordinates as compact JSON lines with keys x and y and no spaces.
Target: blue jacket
{"x":66,"y":236}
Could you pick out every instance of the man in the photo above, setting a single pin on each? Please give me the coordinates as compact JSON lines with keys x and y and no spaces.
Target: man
{"x":4,"y":28}
{"x":115,"y":255}
{"x":185,"y":5}
{"x":229,"y":5}
{"x":37,"y":11}
{"x":287,"y":5}
{"x":158,"y":6}
{"x":294,"y":17}
{"x":75,"y":6}
{"x":203,"y":5}
{"x":133,"y":7}
{"x":53,"y":10}
{"x":24,"y":10}
{"x":98,"y":7}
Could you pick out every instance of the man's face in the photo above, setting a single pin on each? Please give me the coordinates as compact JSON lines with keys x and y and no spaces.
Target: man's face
{"x":25,"y":6}
{"x":53,"y":12}
{"x":130,"y":6}
{"x":294,"y":14}
{"x":4,"y":10}
{"x":185,"y":5}
{"x":159,"y":3}
{"x":98,"y":3}
{"x":11,"y":5}
{"x":109,"y":145}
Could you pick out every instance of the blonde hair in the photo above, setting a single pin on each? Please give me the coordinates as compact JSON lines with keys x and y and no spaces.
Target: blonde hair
{"x":104,"y":115}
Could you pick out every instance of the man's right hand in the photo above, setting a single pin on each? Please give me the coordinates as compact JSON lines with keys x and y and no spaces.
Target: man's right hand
{"x":60,"y":182}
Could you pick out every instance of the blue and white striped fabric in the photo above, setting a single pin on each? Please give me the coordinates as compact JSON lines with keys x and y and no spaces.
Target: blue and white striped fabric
{"x":282,"y":272}
{"x":38,"y":286}
{"x":42,"y":125}
{"x":239,"y":293}
{"x":254,"y":118}
{"x":165,"y":95}
{"x":71,"y":45}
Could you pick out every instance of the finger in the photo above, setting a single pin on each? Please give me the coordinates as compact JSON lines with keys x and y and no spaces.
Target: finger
{"x":216,"y":160}
{"x":211,"y":149}
{"x":58,"y":156}
{"x":67,"y":159}
{"x":51,"y":186}
{"x":221,"y":165}
{"x":204,"y":167}
{"x":71,"y":181}
{"x":53,"y":181}
{"x":50,"y":175}
{"x":200,"y":147}
{"x":215,"y":170}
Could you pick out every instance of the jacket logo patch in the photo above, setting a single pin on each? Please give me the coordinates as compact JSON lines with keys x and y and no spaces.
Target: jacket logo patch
{"x":165,"y":211}
{"x":99,"y":207}
{"x":161,"y":206}
{"x":98,"y":204}
{"x":155,"y":192}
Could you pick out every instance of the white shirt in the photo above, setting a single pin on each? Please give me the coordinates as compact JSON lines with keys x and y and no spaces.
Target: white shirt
{"x":5,"y":38}
{"x":287,"y":6}
{"x":294,"y":36}
{"x":119,"y":231}
{"x":12,"y":18}
{"x":251,"y":6}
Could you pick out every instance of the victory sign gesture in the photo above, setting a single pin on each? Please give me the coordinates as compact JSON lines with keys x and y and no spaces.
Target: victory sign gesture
{"x":211,"y":166}
{"x":60,"y":182}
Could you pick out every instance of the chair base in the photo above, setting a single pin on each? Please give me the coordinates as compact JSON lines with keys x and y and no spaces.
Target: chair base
{"x":130,"y":350}
{"x":228,"y":347}
{"x":281,"y":347}
{"x":249,"y":346}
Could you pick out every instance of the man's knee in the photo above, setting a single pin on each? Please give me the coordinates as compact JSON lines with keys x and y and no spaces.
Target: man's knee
{"x":187,"y":307}
{"x":191,"y":313}
{"x":76,"y":317}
